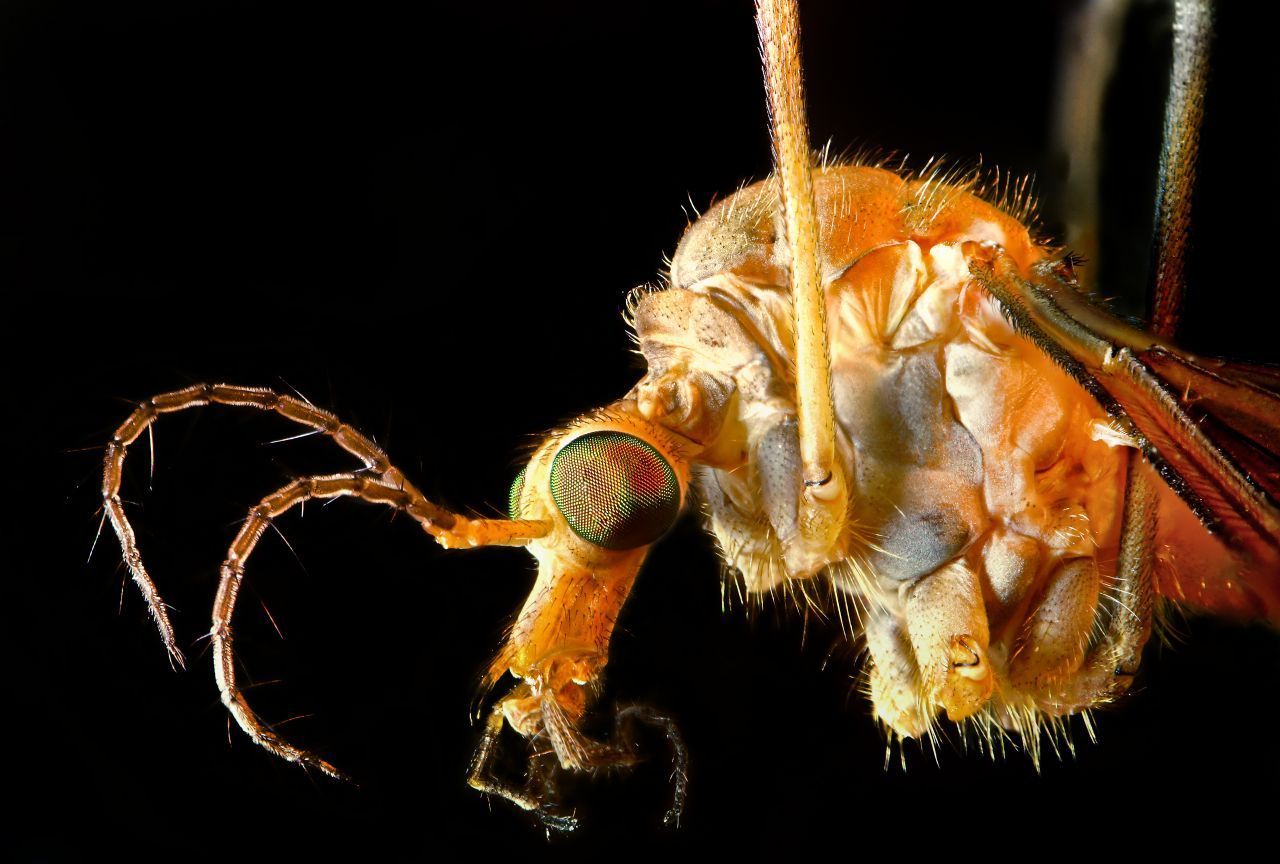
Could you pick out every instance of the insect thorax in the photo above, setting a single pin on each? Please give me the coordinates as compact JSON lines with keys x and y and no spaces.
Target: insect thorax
{"x":960,"y":438}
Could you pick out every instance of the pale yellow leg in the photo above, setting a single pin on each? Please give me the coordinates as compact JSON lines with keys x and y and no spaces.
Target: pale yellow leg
{"x":823,"y":503}
{"x":894,"y":679}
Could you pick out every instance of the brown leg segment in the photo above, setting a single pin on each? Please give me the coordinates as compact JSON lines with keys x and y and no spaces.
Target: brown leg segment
{"x":1180,"y":149}
{"x":483,"y":779}
{"x":538,"y":795}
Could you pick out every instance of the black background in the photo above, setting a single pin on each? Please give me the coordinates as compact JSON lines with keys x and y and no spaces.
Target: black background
{"x":427,"y":221}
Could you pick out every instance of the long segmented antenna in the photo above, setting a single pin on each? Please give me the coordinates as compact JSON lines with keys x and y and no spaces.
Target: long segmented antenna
{"x":447,"y":528}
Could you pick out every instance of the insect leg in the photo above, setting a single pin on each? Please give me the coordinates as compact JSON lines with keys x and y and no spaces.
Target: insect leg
{"x":482,"y":778}
{"x":1112,"y":662}
{"x":620,"y":751}
{"x":778,"y":463}
{"x":679,"y":752}
{"x":260,"y":517}
{"x":823,"y":504}
{"x":449,"y":529}
{"x":893,"y":676}
{"x":947,"y":625}
{"x":590,"y":756}
{"x":1180,"y":147}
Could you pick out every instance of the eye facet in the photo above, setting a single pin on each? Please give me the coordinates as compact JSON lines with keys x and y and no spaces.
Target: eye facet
{"x":513,"y":496}
{"x":615,"y":490}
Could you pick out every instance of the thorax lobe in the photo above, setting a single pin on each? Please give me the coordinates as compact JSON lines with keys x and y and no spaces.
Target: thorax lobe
{"x":959,"y":438}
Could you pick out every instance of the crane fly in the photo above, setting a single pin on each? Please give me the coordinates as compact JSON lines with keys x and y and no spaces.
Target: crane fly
{"x":889,"y":398}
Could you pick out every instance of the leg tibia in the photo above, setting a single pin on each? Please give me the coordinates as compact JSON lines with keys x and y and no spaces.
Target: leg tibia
{"x":527,"y":714}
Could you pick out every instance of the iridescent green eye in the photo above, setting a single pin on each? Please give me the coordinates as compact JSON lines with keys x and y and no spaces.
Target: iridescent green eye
{"x":513,"y":497}
{"x":614,"y":489}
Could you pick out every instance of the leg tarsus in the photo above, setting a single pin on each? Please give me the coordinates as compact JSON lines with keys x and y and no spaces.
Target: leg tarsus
{"x":679,"y":754}
{"x":268,"y":739}
{"x":539,"y":793}
{"x":482,"y":778}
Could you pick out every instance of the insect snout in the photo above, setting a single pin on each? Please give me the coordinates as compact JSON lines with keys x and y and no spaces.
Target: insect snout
{"x":607,"y":486}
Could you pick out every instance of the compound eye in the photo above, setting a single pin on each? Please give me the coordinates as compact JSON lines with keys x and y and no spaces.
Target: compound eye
{"x":614,"y":490}
{"x":513,"y":496}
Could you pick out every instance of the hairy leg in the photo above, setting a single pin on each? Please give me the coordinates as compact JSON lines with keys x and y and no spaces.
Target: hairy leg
{"x":894,"y":677}
{"x":483,"y":779}
{"x":1179,"y":154}
{"x":1112,"y":661}
{"x":824,"y":498}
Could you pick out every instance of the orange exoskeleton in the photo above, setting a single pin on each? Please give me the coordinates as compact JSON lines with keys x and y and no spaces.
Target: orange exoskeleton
{"x":875,"y":383}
